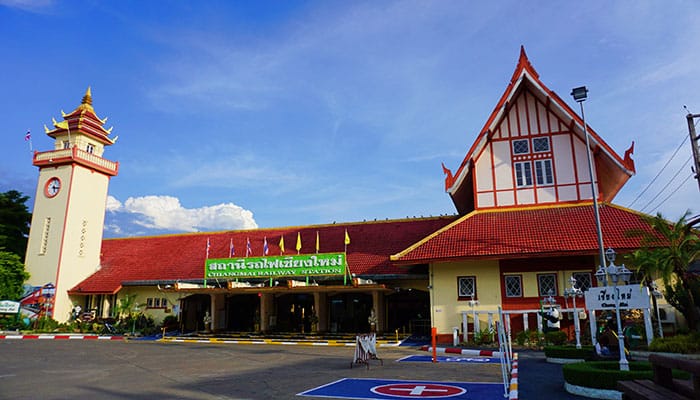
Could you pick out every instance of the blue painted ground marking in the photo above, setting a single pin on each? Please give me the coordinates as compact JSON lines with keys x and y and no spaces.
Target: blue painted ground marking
{"x":457,"y":359}
{"x":386,"y":389}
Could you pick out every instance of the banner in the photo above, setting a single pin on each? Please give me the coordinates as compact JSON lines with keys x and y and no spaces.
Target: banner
{"x":268,"y":267}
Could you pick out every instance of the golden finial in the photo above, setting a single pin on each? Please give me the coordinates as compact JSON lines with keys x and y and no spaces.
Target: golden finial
{"x":110,"y":129}
{"x":46,"y":129}
{"x":63,"y":114}
{"x":54,"y":121}
{"x":104,"y":121}
{"x":87,"y":99}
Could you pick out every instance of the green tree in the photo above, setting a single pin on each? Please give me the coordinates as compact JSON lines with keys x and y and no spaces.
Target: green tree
{"x":12,"y":276}
{"x":14,"y":222}
{"x":668,"y":250}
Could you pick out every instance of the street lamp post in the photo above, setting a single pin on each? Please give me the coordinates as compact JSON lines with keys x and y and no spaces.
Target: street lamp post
{"x":614,"y":274}
{"x":575,"y":292}
{"x":580,"y":95}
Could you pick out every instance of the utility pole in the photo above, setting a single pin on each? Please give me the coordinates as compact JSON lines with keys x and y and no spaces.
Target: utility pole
{"x":694,"y":144}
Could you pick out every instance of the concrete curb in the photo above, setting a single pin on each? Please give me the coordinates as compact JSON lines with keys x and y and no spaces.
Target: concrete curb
{"x":271,"y":341}
{"x":60,"y":337}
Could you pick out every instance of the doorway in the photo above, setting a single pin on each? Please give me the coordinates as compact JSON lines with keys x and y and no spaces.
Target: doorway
{"x":294,"y":312}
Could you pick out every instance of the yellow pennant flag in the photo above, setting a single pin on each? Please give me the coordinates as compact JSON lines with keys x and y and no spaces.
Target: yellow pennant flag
{"x":347,"y":237}
{"x":298,"y":241}
{"x":281,"y":244}
{"x":318,"y":243}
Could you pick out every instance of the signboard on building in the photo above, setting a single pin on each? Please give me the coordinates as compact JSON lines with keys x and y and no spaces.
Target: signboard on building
{"x":276,"y":266}
{"x":9,"y":307}
{"x":630,"y":296}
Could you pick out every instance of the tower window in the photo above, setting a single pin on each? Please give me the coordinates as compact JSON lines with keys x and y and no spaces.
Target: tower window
{"x":90,"y":148}
{"x":45,"y":236}
{"x":66,"y":144}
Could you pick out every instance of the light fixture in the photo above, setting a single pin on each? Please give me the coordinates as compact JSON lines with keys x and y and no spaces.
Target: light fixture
{"x":580,"y":93}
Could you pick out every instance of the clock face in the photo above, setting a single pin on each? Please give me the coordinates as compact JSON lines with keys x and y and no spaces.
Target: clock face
{"x":53,"y":186}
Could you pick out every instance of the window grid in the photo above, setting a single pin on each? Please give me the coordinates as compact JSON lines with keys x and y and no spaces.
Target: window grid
{"x":514,"y":286}
{"x":543,"y":172}
{"x":540,"y":145}
{"x":466,"y":286}
{"x":547,"y":284}
{"x":583,"y":280}
{"x":523,"y":174}
{"x":521,"y":146}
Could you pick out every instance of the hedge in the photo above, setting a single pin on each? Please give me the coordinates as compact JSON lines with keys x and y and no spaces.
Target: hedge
{"x":605,"y":374}
{"x":584,"y":353}
{"x":677,"y":344}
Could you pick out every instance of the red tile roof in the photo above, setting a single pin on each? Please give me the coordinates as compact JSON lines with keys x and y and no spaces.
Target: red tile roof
{"x":181,"y":257}
{"x":529,"y":232}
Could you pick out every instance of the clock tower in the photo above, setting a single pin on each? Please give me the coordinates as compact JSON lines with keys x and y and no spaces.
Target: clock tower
{"x":65,"y":236}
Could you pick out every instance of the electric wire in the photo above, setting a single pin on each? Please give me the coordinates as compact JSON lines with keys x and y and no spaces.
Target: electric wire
{"x":671,"y":194}
{"x":658,"y":173}
{"x":668,"y":183}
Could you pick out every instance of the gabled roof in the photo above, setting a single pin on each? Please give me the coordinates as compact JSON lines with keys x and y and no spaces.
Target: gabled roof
{"x":526,"y":76}
{"x":528,"y":232}
{"x":182,"y":257}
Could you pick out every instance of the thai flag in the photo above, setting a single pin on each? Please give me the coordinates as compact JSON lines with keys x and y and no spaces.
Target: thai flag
{"x":231,"y":250}
{"x":28,"y":135}
{"x":248,"y":249}
{"x":208,"y":247}
{"x":266,"y":249}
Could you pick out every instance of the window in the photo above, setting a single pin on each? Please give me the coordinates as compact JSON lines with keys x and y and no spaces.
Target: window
{"x":149,"y":302}
{"x":513,"y":285}
{"x":521,"y":146}
{"x":543,"y":172}
{"x":547,"y":284}
{"x":523,"y":174}
{"x":90,"y":148}
{"x":583,"y":280}
{"x":45,"y":236}
{"x":66,"y":144}
{"x":540,"y":145}
{"x":466,"y":287}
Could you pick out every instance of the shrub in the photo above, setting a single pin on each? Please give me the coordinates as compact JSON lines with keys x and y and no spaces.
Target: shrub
{"x":529,"y":338}
{"x":584,"y":353}
{"x":677,"y":344}
{"x":485,"y":336}
{"x":605,"y":374}
{"x":555,"y":337}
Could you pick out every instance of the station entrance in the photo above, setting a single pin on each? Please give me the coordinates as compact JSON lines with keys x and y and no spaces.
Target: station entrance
{"x":243,"y":313}
{"x":295,"y":313}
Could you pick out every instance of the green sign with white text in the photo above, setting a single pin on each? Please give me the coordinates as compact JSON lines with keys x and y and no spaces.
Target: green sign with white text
{"x":276,"y":266}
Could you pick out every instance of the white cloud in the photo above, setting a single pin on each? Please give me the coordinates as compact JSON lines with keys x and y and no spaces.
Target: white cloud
{"x":165,"y":213}
{"x":28,"y":5}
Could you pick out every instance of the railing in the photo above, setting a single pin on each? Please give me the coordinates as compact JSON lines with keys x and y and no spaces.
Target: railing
{"x":78,"y":155}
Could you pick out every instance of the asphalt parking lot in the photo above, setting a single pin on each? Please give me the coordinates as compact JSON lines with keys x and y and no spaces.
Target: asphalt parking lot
{"x":91,"y":369}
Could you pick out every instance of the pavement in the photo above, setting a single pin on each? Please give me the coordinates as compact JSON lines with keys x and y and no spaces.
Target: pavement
{"x":121,"y":369}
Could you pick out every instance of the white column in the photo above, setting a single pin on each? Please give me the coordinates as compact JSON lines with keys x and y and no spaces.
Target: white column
{"x":648,"y":329}
{"x":539,"y":322}
{"x":594,"y":326}
{"x":490,"y":320}
{"x":465,"y":326}
{"x":477,"y":326}
{"x":526,"y":324}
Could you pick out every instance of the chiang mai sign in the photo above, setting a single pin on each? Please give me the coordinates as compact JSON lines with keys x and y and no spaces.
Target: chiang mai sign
{"x":630,"y":297}
{"x":276,"y":266}
{"x":9,"y":307}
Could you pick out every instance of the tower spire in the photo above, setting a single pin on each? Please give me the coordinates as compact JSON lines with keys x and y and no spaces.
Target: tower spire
{"x":87,"y":98}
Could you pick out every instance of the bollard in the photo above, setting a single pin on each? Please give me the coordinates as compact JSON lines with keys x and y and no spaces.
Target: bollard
{"x":433,"y":333}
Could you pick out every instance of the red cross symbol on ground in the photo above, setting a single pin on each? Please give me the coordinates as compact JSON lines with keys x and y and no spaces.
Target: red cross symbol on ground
{"x":421,"y":390}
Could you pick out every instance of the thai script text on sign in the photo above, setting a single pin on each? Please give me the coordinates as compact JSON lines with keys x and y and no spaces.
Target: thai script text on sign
{"x":9,"y":307}
{"x":262,"y":267}
{"x":631,"y":297}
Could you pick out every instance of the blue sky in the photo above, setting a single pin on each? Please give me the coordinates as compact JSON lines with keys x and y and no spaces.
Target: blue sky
{"x":263,"y":114}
